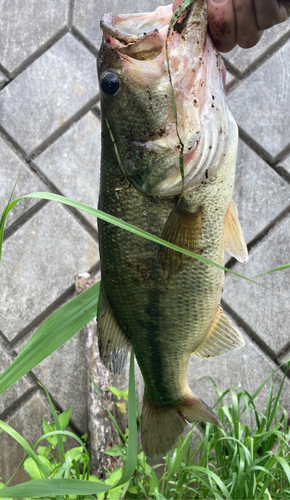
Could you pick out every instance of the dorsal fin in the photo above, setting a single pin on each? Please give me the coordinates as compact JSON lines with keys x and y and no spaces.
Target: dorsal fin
{"x":233,"y":235}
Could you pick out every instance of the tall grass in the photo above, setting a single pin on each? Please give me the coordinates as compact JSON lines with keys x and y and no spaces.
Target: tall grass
{"x":247,"y":460}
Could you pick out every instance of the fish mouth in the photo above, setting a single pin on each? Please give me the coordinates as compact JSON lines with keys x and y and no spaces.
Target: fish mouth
{"x":139,"y":36}
{"x":205,"y":124}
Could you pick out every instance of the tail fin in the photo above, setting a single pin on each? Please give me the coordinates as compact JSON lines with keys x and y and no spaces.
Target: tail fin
{"x":161,"y":426}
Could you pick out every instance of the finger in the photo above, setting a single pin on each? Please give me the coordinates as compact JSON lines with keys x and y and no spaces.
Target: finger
{"x":221,"y":23}
{"x":271,"y":12}
{"x":247,"y":32}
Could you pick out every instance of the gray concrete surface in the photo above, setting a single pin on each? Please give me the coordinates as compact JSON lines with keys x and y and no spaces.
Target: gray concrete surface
{"x":49,"y":125}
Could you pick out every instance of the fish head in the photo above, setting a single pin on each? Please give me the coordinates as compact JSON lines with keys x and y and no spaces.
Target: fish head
{"x":138,"y":97}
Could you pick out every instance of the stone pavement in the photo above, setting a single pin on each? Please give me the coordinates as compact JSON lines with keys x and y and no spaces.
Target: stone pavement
{"x":49,"y":125}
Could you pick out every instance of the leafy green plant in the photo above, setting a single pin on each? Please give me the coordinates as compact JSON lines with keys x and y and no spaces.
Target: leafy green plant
{"x":63,"y":478}
{"x":121,"y":406}
{"x":247,"y":459}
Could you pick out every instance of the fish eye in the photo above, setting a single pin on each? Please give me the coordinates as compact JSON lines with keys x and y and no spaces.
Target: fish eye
{"x":110,"y":84}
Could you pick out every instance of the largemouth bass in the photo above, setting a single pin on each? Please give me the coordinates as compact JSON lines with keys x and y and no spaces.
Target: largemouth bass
{"x":163,"y":303}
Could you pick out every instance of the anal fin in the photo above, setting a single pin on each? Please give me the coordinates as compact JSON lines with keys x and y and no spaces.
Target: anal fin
{"x":113,"y":344}
{"x":221,"y":338}
{"x":233,"y":235}
{"x":182,"y":228}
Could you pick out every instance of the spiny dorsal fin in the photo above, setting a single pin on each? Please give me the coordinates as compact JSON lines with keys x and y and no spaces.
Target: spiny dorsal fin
{"x":221,"y":338}
{"x":113,"y":344}
{"x":182,"y":228}
{"x":233,"y":235}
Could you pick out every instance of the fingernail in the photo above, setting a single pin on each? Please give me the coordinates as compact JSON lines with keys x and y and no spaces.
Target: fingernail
{"x":218,"y":1}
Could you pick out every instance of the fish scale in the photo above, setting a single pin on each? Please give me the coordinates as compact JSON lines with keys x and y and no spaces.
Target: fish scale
{"x":163,"y":303}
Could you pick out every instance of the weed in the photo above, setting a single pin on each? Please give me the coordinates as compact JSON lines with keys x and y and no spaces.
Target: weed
{"x":240,"y":461}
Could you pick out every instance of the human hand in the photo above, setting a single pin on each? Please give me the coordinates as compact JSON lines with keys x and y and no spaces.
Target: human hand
{"x":242,"y":22}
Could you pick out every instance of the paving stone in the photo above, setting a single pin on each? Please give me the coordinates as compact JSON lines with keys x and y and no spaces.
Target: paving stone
{"x":244,"y":368}
{"x":10,"y":165}
{"x":267,"y":313}
{"x":243,"y":58}
{"x":260,"y":193}
{"x":87,"y":14}
{"x":39,"y":263}
{"x":285,"y":358}
{"x":48,"y":93}
{"x":28,"y":422}
{"x":26,"y":26}
{"x":64,"y":375}
{"x":17,"y":389}
{"x":3,"y":80}
{"x":286,"y":164}
{"x":260,"y":104}
{"x":72,"y":163}
{"x":229,"y":78}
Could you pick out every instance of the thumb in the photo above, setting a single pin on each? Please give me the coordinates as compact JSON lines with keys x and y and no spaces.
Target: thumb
{"x":221,"y":23}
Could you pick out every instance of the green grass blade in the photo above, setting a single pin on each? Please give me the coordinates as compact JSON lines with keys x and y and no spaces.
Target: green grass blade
{"x":246,"y":451}
{"x":58,"y":427}
{"x":285,"y":466}
{"x":180,"y":455}
{"x":59,"y":487}
{"x":124,"y":225}
{"x":53,"y":333}
{"x":235,"y":413}
{"x":26,"y":447}
{"x":280,"y":268}
{"x":265,"y":471}
{"x":274,"y":412}
{"x":67,"y":463}
{"x":214,"y":477}
{"x":265,"y":485}
{"x":258,"y":390}
{"x":5,"y":212}
{"x":131,"y":461}
{"x":64,"y":433}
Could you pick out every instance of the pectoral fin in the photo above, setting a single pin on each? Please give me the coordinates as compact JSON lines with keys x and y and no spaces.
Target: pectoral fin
{"x":183,"y":228}
{"x":233,"y":234}
{"x":222,"y":337}
{"x":113,"y":344}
